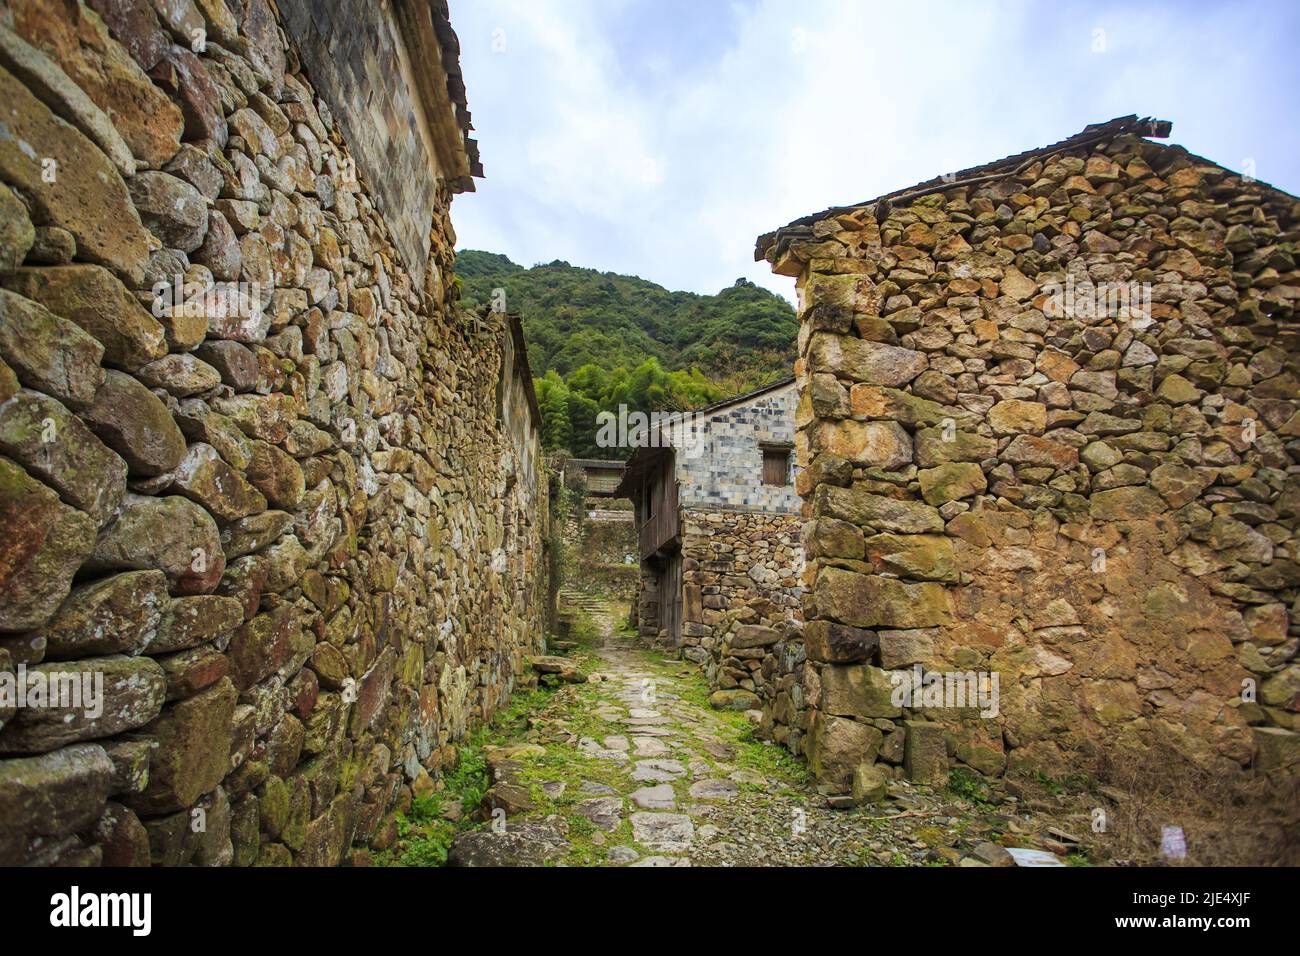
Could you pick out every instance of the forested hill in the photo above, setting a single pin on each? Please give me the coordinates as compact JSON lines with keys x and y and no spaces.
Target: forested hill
{"x":575,"y":316}
{"x":597,"y":339}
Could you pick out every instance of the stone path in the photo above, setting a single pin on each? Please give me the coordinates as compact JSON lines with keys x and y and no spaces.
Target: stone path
{"x":633,"y":768}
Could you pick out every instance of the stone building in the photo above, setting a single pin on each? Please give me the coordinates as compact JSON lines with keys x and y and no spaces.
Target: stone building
{"x":718,"y":536}
{"x":1048,"y":422}
{"x":268,"y":493}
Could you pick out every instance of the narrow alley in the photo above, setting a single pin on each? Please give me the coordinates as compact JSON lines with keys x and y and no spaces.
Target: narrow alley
{"x":625,"y":763}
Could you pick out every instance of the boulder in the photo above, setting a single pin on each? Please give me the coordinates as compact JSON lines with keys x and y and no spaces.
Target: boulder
{"x":52,"y":444}
{"x":50,"y":796}
{"x":43,"y":543}
{"x":86,"y":195}
{"x":132,"y":421}
{"x":49,"y":353}
{"x":170,"y":534}
{"x":871,"y":600}
{"x":191,"y":750}
{"x":113,"y":615}
{"x":88,"y":699}
{"x":836,"y":746}
{"x":95,"y":300}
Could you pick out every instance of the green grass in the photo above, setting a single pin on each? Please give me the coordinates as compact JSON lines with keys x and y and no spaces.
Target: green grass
{"x":968,"y":786}
{"x":423,"y":836}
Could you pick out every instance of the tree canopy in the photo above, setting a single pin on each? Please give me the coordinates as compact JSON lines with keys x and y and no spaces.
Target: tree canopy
{"x":597,"y":340}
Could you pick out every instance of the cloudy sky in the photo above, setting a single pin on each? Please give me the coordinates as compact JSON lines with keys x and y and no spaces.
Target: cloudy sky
{"x":660,"y":137}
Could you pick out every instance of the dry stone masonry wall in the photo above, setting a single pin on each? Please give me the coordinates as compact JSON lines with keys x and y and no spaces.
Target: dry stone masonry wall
{"x":741,"y":610}
{"x":292,"y":532}
{"x":1049,"y":424}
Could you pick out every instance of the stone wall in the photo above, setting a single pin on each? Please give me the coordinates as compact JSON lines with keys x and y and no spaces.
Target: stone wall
{"x":296,"y":529}
{"x":725,"y":468}
{"x":1048,"y":411}
{"x":741,"y":614}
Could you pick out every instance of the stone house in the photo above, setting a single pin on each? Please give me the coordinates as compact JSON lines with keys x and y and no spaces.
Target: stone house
{"x":718,"y":530}
{"x":1049,"y":435}
{"x":262,"y":479}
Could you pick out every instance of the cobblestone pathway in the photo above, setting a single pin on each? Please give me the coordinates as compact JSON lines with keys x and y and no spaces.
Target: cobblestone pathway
{"x":632,"y":767}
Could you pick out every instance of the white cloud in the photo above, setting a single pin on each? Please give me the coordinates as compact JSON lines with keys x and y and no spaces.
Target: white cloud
{"x":662,"y":144}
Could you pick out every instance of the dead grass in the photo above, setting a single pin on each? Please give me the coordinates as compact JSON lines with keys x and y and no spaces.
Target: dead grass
{"x":1232,"y":819}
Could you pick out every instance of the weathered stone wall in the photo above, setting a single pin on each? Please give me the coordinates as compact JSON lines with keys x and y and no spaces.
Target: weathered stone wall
{"x":725,"y":469}
{"x":741,"y":608}
{"x":296,"y":529}
{"x":1095,"y":501}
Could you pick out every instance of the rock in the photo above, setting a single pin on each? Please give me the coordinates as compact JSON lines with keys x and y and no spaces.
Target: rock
{"x":1177,"y":484}
{"x":832,"y":642}
{"x":836,"y":746}
{"x":253,"y":533}
{"x":53,"y":247}
{"x":190,"y":671}
{"x":937,"y":446}
{"x":170,"y":534}
{"x":857,"y":690}
{"x":180,"y":374}
{"x":261,"y":645}
{"x":191,"y":750}
{"x":658,"y":771}
{"x":753,"y":635}
{"x":738,"y":700}
{"x":113,"y":615}
{"x":713,"y":790}
{"x":621,"y":855}
{"x":1177,"y":390}
{"x":1124,"y":503}
{"x":268,"y":417}
{"x":87,"y":196}
{"x":870,"y":784}
{"x":183,"y":75}
{"x":134,"y":423}
{"x":873,"y":363}
{"x":220,"y":249}
{"x":522,"y":843}
{"x":42,"y":544}
{"x":96,"y":301}
{"x":53,"y":88}
{"x":17,"y":236}
{"x":170,"y":208}
{"x":204,"y":478}
{"x":904,"y":648}
{"x":50,"y":796}
{"x":560,"y":666}
{"x":606,"y":812}
{"x":276,"y":475}
{"x":926,"y":556}
{"x":874,"y":444}
{"x":49,"y":354}
{"x":926,"y":756}
{"x":663,"y":832}
{"x":875,"y":511}
{"x":52,"y":444}
{"x":1276,"y":749}
{"x":190,"y":621}
{"x":1013,"y":416}
{"x":951,"y":482}
{"x":265,"y":51}
{"x":108,"y":695}
{"x":236,"y":364}
{"x":1031,"y":450}
{"x":122,"y":837}
{"x":870,"y":600}
{"x":993,"y":854}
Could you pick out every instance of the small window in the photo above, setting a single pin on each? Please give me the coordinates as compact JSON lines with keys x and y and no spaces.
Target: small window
{"x":776,"y":466}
